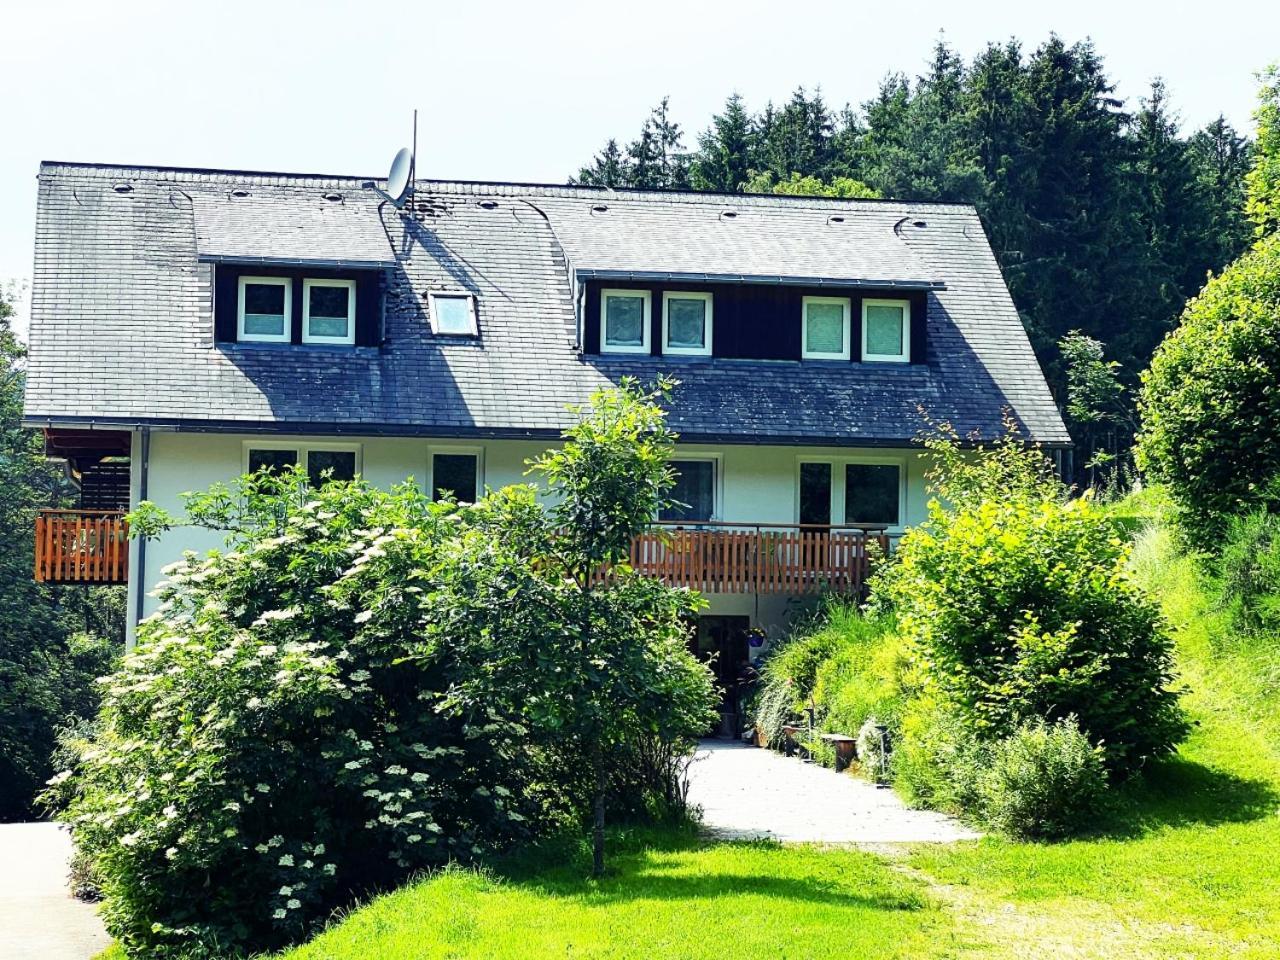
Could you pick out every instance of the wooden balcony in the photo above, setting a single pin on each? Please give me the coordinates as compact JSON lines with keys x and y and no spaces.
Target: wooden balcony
{"x":759,"y":558}
{"x":82,"y":546}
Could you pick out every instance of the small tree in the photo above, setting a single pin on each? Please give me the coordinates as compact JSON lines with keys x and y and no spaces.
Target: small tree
{"x":1262,"y":182}
{"x":610,"y":479}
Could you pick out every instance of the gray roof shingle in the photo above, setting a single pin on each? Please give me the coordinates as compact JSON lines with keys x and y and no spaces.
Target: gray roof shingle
{"x":122,"y":328}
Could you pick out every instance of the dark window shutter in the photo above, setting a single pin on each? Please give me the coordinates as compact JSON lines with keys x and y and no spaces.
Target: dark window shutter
{"x":919,"y":327}
{"x":591,"y":319}
{"x":855,"y":328}
{"x":368,"y":309}
{"x":224,"y":303}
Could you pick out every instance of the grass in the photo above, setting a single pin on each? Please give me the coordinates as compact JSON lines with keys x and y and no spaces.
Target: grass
{"x":1185,"y":866}
{"x":668,"y":895}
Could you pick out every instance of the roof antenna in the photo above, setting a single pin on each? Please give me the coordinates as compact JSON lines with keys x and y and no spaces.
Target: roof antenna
{"x":401,"y":176}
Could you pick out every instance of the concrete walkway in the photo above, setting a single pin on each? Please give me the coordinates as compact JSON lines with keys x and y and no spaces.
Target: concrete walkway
{"x":748,"y":792}
{"x":38,"y":916}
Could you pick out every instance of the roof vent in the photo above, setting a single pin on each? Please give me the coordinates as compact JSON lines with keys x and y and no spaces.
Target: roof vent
{"x":728,"y":214}
{"x":600,"y":208}
{"x":836,"y":219}
{"x":123,"y":188}
{"x":488,"y":204}
{"x":333,"y":197}
{"x":240,"y":193}
{"x":919,"y":223}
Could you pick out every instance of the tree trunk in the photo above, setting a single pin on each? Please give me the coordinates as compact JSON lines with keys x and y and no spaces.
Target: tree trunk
{"x":597,"y":828}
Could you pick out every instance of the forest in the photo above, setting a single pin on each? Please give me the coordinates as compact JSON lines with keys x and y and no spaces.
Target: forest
{"x":1105,"y":215}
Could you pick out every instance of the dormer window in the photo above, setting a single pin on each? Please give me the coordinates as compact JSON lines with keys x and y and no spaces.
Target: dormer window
{"x":329,"y":311}
{"x":826,"y":328}
{"x":265,"y":306}
{"x":453,"y":314}
{"x":886,"y":331}
{"x":624,"y":321}
{"x":686,"y":323}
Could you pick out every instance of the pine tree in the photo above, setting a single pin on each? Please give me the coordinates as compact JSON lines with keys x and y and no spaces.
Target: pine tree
{"x":609,"y":169}
{"x":724,"y":158}
{"x":1220,"y":158}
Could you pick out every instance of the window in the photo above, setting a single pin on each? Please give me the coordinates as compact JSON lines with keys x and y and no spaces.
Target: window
{"x":624,"y":321}
{"x":271,"y":461}
{"x":872,"y":493}
{"x":323,"y":462}
{"x":886,"y":331}
{"x":328,"y":311}
{"x":694,"y":490}
{"x":453,"y":314}
{"x":815,"y":493}
{"x":265,"y":308}
{"x":826,"y":328}
{"x":455,"y":475}
{"x":686,"y":323}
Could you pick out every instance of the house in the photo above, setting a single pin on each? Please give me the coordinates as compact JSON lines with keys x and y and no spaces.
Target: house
{"x":189,"y":325}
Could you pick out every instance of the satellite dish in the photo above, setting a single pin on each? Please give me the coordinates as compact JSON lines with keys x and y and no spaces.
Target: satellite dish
{"x":398,"y":182}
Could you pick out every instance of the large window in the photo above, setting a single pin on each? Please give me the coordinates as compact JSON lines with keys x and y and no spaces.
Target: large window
{"x":453,"y":314}
{"x":624,"y":321}
{"x":825,"y":334}
{"x":329,"y":311}
{"x":873,"y":493}
{"x":264,"y":309}
{"x":686,"y":323}
{"x":886,"y":331}
{"x":815,"y":493}
{"x":324,"y":462}
{"x":694,"y":491}
{"x":456,"y":474}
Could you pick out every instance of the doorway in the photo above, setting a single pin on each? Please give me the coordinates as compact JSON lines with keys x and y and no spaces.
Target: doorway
{"x":722,"y":643}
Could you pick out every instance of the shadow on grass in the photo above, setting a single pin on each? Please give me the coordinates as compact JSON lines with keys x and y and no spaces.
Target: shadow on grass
{"x":646,"y":864}
{"x":1177,"y":792}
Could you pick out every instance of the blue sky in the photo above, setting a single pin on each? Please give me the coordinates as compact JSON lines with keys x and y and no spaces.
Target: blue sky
{"x":513,"y":90}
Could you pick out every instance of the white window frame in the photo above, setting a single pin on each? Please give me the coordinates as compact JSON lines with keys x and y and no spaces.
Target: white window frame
{"x":837,"y":465}
{"x":646,"y":322}
{"x":805,"y":352}
{"x":717,"y":486}
{"x":285,"y":337}
{"x":303,"y":450}
{"x":705,"y":349}
{"x":905,"y":355}
{"x":456,"y":451}
{"x":434,"y":295}
{"x":307,"y":336}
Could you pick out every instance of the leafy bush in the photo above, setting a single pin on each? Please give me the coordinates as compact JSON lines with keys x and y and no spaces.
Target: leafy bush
{"x":774,"y":708}
{"x":1043,"y":781}
{"x":366,"y":684}
{"x":1018,"y":607}
{"x":873,"y":749}
{"x":1247,"y":580}
{"x":1209,"y":401}
{"x":867,"y":674}
{"x":937,"y":760}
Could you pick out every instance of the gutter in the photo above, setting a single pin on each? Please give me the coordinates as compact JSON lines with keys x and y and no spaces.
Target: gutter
{"x":659,"y":276}
{"x":144,"y":456}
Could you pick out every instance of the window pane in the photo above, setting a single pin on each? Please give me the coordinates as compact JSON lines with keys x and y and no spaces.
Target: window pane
{"x":454,"y":474}
{"x":341,"y":463}
{"x":815,"y":493}
{"x":272,"y":461}
{"x":824,"y":332}
{"x":330,"y":302}
{"x":687,"y":323}
{"x":871,"y":493}
{"x":624,"y":322}
{"x":884,"y":330}
{"x":695,"y":488}
{"x":453,"y":314}
{"x":264,"y":309}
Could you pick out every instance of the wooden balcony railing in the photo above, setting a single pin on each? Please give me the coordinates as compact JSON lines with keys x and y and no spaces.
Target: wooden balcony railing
{"x":759,"y":558}
{"x":82,"y":546}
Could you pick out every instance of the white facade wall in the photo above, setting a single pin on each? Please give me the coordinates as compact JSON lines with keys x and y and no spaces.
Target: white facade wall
{"x":757,"y":484}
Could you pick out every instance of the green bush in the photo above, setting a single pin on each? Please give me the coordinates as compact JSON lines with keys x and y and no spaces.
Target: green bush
{"x":1018,"y":607}
{"x":1043,"y":781}
{"x":866,"y":674}
{"x":1247,"y":581}
{"x":1209,"y":402}
{"x":937,"y":759}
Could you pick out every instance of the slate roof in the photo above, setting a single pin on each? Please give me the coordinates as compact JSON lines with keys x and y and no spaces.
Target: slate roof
{"x":122,"y":330}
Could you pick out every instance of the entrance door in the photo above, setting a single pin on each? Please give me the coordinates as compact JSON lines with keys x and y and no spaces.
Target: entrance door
{"x":721,"y":642}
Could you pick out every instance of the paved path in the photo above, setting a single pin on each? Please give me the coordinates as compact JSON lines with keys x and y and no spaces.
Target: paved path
{"x":39,"y":918}
{"x":748,"y":792}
